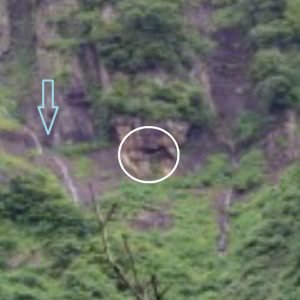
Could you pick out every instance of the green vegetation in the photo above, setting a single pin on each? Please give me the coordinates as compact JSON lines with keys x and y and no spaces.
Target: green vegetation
{"x":8,"y":124}
{"x":250,"y":172}
{"x":272,"y":28}
{"x":266,"y":257}
{"x":7,"y":103}
{"x":29,"y":203}
{"x":51,"y":248}
{"x":277,"y":78}
{"x":139,"y":35}
{"x":218,"y":173}
{"x":150,"y":100}
{"x":137,"y":41}
{"x":42,"y":236}
{"x":56,"y":250}
{"x":248,"y":127}
{"x":82,"y":167}
{"x":82,"y":148}
{"x":11,"y":165}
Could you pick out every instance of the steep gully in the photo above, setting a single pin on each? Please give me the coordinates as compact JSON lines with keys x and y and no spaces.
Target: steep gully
{"x":229,"y":90}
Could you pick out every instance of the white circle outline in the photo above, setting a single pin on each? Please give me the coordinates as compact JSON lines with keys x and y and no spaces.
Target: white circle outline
{"x":149,"y":181}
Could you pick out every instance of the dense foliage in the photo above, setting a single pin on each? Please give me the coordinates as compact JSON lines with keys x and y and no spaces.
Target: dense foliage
{"x":267,"y":257}
{"x":51,"y":249}
{"x":150,"y":100}
{"x":139,"y":41}
{"x":135,"y":36}
{"x":272,"y":28}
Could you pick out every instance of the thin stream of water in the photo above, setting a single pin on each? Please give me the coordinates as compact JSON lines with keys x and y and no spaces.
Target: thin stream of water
{"x":59,"y":162}
{"x":223,"y":239}
{"x":35,"y":140}
{"x":67,"y":178}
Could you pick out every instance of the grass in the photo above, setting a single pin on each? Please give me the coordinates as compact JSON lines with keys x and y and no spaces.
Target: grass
{"x":11,"y":164}
{"x":82,"y":167}
{"x":183,"y":255}
{"x":9,"y":125}
{"x":82,"y":148}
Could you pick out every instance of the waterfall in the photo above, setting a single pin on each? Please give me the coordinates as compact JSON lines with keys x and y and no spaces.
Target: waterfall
{"x":67,"y":178}
{"x":59,"y":162}
{"x":35,"y":140}
{"x":224,"y":225}
{"x":228,"y":198}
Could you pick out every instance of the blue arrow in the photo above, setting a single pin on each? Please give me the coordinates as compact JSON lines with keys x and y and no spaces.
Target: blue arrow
{"x":54,"y":107}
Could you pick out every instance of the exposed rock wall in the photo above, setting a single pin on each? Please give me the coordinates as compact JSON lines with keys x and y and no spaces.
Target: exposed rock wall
{"x":74,"y":122}
{"x":21,"y":28}
{"x":4,"y":28}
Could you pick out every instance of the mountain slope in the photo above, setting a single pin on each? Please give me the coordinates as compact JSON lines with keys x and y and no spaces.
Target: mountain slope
{"x":223,"y":78}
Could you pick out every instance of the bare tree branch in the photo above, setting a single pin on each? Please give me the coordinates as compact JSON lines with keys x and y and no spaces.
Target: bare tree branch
{"x":148,"y":290}
{"x":132,"y":261}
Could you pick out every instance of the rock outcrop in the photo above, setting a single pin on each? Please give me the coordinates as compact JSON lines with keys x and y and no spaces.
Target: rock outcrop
{"x":149,"y":153}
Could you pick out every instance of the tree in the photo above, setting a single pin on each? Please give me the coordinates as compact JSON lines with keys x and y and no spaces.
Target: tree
{"x":141,"y":288}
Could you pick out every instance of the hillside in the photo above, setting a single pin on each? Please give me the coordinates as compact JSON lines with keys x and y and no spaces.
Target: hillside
{"x":222,"y":77}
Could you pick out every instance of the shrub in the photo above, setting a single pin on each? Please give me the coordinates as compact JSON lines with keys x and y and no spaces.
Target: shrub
{"x":276,"y":92}
{"x":216,"y":172}
{"x":276,"y":33}
{"x":150,"y":100}
{"x":144,"y":35}
{"x":265,"y":231}
{"x":272,"y":28}
{"x":267,"y":62}
{"x":247,"y":127}
{"x":249,"y":174}
{"x":275,"y":79}
{"x":40,"y":205}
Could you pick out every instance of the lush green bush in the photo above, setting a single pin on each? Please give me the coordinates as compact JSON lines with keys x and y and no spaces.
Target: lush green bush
{"x":272,"y":29}
{"x":250,"y":172}
{"x":263,"y":246}
{"x":40,"y":204}
{"x":44,"y":245}
{"x":267,"y":257}
{"x":267,"y":63}
{"x":143,"y":35}
{"x":139,"y":39}
{"x":150,"y":100}
{"x":248,"y":127}
{"x":276,"y":79}
{"x":248,"y":14}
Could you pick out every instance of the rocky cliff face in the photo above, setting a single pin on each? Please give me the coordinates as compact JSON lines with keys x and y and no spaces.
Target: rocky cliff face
{"x":4,"y":29}
{"x":29,"y":29}
{"x":74,"y":122}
